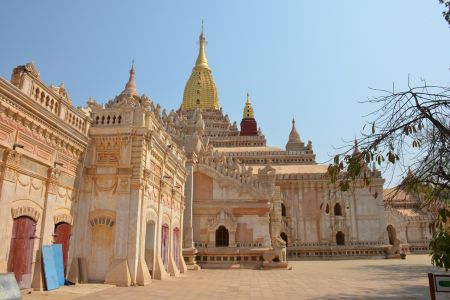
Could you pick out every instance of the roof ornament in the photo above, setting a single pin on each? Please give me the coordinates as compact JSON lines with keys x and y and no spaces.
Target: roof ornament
{"x":202,"y":61}
{"x":130,"y":87}
{"x":248,"y":109}
{"x":294,"y":143}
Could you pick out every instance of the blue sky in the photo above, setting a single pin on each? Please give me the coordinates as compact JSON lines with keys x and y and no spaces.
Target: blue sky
{"x":311,"y":59}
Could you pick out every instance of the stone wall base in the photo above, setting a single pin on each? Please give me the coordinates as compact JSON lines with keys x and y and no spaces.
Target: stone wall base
{"x":160,"y":272}
{"x":173,"y":268}
{"x":189,"y":259}
{"x":275,"y":265}
{"x":182,"y":265}
{"x":143,"y":275}
{"x":77,"y":271}
{"x":119,"y":273}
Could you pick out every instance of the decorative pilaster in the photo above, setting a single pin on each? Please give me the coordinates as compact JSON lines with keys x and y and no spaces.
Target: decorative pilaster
{"x":8,"y":176}
{"x":189,"y":251}
{"x":47,"y":224}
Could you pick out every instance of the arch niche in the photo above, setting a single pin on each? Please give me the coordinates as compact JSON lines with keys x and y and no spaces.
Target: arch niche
{"x":150,"y":242}
{"x":102,"y":247}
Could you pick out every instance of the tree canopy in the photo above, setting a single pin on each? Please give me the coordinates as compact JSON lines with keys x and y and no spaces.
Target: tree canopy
{"x":409,"y":130}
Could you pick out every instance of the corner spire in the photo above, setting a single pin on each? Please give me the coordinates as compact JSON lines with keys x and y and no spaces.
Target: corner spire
{"x":248,"y":123}
{"x":248,"y":112}
{"x":294,"y":136}
{"x":202,"y":61}
{"x":130,"y":87}
{"x":294,"y":143}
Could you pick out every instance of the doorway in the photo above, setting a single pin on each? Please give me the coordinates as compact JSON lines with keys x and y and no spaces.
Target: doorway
{"x":62,"y":236}
{"x":222,"y":237}
{"x":21,"y":250}
{"x":176,"y":246}
{"x":340,"y":238}
{"x":165,"y":245}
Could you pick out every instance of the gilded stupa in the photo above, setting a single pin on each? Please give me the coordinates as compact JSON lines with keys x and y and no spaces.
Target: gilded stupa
{"x":200,"y":90}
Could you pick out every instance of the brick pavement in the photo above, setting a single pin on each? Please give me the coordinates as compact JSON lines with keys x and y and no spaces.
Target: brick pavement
{"x":345,"y":279}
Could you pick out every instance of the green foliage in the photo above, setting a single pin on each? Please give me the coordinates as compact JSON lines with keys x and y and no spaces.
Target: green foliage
{"x":410,"y":131}
{"x":446,"y":13}
{"x":440,"y":243}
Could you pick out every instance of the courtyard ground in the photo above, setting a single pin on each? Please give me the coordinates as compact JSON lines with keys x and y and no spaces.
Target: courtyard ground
{"x":343,"y":279}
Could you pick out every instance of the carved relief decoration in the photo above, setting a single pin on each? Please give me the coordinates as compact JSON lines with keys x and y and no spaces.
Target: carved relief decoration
{"x":222,"y":218}
{"x":100,"y":188}
{"x":25,"y":211}
{"x":104,"y":157}
{"x":63,"y":218}
{"x":101,"y":220}
{"x":102,"y":217}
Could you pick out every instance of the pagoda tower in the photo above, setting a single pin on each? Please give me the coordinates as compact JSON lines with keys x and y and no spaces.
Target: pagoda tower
{"x":294,"y":143}
{"x":249,"y":126}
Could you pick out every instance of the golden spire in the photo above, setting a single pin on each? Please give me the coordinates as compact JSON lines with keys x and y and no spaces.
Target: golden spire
{"x":130,"y":87}
{"x":248,"y":109}
{"x":202,"y":61}
{"x":200,"y":91}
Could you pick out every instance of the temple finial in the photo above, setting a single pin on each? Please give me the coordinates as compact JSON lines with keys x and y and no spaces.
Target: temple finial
{"x":202,"y":61}
{"x":130,"y":87}
{"x":248,"y":109}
